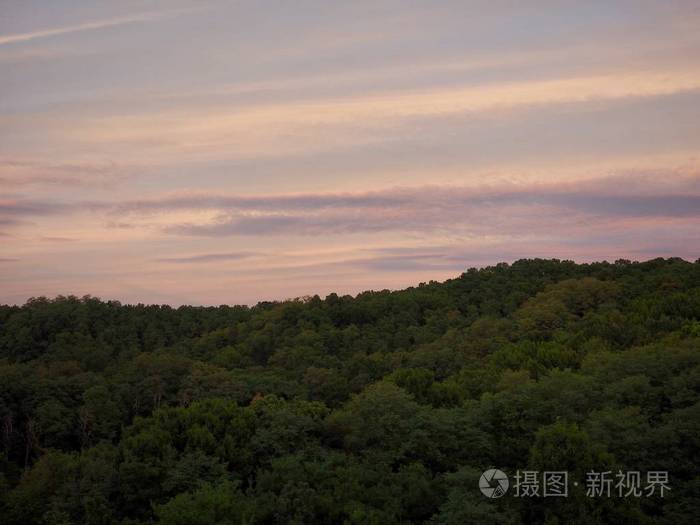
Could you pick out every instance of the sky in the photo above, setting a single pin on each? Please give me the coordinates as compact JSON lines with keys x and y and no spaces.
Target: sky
{"x":223,"y":152}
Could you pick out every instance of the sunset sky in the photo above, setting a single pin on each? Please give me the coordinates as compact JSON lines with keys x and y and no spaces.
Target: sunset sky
{"x":211,"y":152}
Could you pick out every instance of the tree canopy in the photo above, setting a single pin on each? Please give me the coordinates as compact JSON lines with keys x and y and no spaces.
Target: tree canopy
{"x":375,"y":409}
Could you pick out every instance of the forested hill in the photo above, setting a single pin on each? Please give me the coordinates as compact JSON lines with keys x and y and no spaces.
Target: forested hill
{"x":378,"y":409}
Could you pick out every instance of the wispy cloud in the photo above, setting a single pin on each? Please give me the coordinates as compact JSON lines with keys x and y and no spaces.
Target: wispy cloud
{"x":15,"y":212}
{"x":268,"y":129}
{"x":77,"y":28}
{"x":13,"y":208}
{"x":425,"y":209}
{"x":475,"y":210}
{"x":21,"y":172}
{"x":208,"y":257}
{"x":56,"y":239}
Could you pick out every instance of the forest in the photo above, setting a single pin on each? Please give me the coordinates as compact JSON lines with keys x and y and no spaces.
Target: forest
{"x":383,"y":408}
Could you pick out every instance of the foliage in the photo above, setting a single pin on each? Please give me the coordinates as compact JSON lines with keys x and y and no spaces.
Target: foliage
{"x":381,"y":408}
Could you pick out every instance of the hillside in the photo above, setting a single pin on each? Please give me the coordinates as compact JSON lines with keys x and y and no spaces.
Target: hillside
{"x":376,"y":409}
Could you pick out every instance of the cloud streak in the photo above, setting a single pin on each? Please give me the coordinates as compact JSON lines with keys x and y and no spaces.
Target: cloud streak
{"x":425,"y":209}
{"x":476,"y":210}
{"x":79,"y":28}
{"x":305,"y":127}
{"x":20,"y":172}
{"x":208,"y":257}
{"x":14,"y":208}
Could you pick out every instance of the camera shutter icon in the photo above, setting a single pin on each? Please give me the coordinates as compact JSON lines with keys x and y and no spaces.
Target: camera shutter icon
{"x":493,"y":483}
